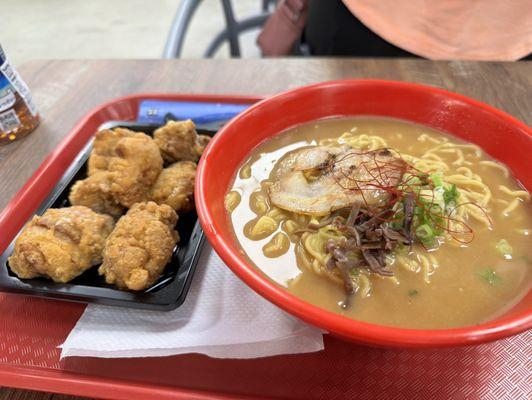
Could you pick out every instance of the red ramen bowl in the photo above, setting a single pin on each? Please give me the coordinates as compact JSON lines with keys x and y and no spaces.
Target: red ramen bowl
{"x":499,"y":134}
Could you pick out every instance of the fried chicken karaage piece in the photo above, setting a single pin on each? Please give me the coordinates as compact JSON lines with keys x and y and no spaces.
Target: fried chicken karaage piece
{"x":175,"y":186}
{"x":201,"y":143}
{"x":94,"y":192}
{"x":179,"y":141}
{"x":131,"y":162}
{"x":61,"y":244}
{"x":140,"y":246}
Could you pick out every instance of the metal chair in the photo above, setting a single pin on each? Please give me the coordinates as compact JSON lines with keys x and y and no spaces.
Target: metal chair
{"x":184,"y":14}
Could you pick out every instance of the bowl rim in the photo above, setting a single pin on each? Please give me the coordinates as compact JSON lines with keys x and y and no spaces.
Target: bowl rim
{"x":348,"y":328}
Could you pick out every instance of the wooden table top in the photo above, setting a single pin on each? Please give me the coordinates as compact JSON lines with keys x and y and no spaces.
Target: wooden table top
{"x":65,"y":91}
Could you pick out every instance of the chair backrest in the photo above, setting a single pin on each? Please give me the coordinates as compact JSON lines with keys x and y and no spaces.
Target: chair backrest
{"x":233,"y":28}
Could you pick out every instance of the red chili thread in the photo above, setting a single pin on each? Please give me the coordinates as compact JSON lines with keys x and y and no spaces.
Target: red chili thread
{"x":381,"y":173}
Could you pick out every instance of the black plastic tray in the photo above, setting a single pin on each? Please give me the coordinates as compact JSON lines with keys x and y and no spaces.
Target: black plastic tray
{"x":167,"y":293}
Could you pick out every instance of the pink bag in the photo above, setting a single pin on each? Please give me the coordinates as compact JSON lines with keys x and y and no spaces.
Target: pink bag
{"x":283,"y":29}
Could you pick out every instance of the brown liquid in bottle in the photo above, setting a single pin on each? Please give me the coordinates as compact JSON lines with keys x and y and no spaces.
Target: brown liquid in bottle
{"x":18,"y":114}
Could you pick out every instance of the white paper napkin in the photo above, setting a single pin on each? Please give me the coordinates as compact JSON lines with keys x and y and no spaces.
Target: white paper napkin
{"x":221,"y":317}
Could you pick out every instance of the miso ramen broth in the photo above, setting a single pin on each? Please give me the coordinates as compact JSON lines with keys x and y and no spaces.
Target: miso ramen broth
{"x":422,"y":230}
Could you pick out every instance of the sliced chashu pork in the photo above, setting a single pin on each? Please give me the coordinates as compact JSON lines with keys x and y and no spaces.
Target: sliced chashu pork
{"x":317,"y":180}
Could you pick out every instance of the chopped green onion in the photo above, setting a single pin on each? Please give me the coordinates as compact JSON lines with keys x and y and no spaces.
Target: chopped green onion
{"x":504,"y":249}
{"x":432,"y":196}
{"x":411,"y":178}
{"x":436,"y":179}
{"x":490,"y":276}
{"x":354,"y":272}
{"x":425,"y":234}
{"x":426,"y":194}
{"x":401,"y":249}
{"x":412,"y":182}
{"x":396,"y":224}
{"x":412,"y":292}
{"x":423,"y":177}
{"x":450,"y":195}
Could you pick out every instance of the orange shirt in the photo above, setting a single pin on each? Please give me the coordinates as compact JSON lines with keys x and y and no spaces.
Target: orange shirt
{"x":498,"y":30}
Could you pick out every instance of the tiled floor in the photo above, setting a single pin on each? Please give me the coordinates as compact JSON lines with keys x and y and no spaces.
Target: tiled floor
{"x":32,"y":29}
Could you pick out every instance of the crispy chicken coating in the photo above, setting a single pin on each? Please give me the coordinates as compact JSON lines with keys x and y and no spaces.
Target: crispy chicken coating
{"x":131,"y":161}
{"x":140,"y":246}
{"x":175,"y":186}
{"x":201,"y":143}
{"x":178,"y":141}
{"x":103,"y":148}
{"x":61,"y":244}
{"x":94,"y":192}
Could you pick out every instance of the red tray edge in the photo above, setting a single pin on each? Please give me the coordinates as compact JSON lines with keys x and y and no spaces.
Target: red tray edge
{"x":47,"y":380}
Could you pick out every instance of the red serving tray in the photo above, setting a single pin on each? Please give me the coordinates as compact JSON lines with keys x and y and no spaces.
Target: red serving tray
{"x":31,"y":329}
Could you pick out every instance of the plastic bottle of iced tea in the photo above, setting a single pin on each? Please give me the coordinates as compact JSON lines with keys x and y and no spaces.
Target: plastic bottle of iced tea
{"x":18,"y":114}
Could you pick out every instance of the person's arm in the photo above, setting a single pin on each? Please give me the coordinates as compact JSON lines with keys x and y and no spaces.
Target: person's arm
{"x":282,"y":30}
